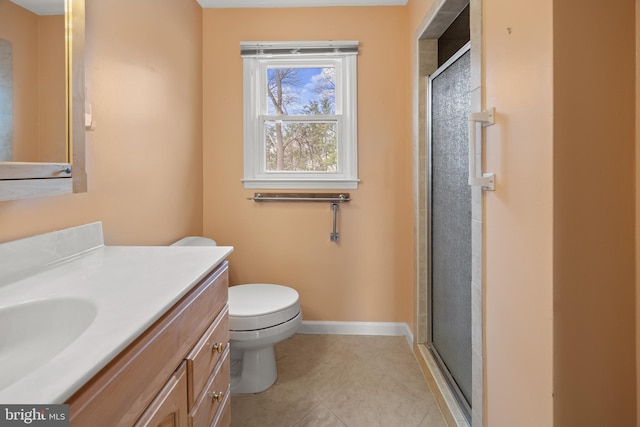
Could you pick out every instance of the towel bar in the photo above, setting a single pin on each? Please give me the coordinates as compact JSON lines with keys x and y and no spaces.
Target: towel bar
{"x":300,"y":197}
{"x":334,"y":199}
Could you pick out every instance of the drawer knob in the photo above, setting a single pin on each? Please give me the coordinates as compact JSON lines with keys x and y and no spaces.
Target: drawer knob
{"x":216,"y":396}
{"x":218,"y":346}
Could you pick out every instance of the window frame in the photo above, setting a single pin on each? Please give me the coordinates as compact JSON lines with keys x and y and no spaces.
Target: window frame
{"x":316,"y":55}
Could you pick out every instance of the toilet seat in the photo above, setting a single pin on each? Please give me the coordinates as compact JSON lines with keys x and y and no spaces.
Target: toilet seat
{"x":260,"y":305}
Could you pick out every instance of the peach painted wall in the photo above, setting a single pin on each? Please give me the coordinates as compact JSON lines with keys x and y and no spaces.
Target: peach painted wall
{"x":417,"y":11}
{"x":518,"y":82}
{"x":637,"y":234}
{"x":144,"y":81}
{"x":368,"y":276}
{"x":594,"y":218}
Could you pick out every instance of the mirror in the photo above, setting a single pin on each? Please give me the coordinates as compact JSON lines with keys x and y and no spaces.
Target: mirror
{"x":32,"y":82}
{"x":41,"y":98}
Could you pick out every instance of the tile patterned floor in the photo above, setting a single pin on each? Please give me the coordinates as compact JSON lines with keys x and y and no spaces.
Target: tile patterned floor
{"x":341,"y":381}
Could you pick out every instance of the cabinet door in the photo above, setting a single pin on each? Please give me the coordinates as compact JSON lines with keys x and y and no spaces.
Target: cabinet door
{"x":169,"y":408}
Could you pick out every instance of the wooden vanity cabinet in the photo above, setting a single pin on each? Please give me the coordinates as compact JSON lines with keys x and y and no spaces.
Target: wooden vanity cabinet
{"x":169,"y":408}
{"x":175,"y":374}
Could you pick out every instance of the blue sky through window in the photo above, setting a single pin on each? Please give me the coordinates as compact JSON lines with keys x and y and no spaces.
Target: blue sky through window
{"x":301,"y":87}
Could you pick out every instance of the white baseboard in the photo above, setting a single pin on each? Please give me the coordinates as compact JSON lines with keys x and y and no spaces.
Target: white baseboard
{"x":357,"y":328}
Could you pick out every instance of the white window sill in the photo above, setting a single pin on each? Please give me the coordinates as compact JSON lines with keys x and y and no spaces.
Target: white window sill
{"x":298,"y":184}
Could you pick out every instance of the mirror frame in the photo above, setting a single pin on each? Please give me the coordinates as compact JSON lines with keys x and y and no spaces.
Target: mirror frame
{"x":21,"y":180}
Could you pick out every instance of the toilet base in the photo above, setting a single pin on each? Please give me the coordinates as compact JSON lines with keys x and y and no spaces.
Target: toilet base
{"x":252,"y":371}
{"x":253,"y":361}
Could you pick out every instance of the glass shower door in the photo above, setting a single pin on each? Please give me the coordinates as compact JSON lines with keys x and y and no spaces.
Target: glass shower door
{"x":450,"y":222}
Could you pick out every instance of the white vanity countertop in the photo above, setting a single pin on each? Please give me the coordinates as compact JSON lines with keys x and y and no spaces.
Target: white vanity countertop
{"x":131,"y":287}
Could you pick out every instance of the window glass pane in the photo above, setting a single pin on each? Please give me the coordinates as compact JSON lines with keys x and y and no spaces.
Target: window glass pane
{"x":301,"y":146}
{"x":301,"y":91}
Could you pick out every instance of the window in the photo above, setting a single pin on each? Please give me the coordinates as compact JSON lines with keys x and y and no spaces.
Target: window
{"x":300,"y":117}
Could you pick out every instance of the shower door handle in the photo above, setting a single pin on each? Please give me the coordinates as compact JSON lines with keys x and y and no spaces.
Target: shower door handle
{"x":486,"y":180}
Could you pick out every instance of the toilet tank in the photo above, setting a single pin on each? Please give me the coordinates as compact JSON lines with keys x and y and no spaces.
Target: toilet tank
{"x":195,"y":241}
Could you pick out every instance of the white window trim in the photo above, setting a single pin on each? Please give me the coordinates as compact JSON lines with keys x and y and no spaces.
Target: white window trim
{"x":256,"y":57}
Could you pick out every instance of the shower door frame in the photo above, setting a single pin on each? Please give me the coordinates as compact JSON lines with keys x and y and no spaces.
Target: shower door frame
{"x":436,"y":21}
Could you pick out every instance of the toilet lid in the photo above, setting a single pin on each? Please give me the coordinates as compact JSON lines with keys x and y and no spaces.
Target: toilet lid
{"x":261,"y":305}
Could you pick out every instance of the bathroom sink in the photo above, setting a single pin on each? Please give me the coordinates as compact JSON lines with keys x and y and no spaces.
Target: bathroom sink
{"x":34,"y":332}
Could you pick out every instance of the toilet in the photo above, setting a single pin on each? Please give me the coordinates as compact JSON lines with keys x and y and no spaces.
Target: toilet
{"x":260,"y":316}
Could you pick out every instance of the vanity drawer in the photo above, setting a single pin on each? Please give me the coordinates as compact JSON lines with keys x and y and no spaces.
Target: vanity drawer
{"x":206,"y":354}
{"x":207,"y":408}
{"x":223,"y":418}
